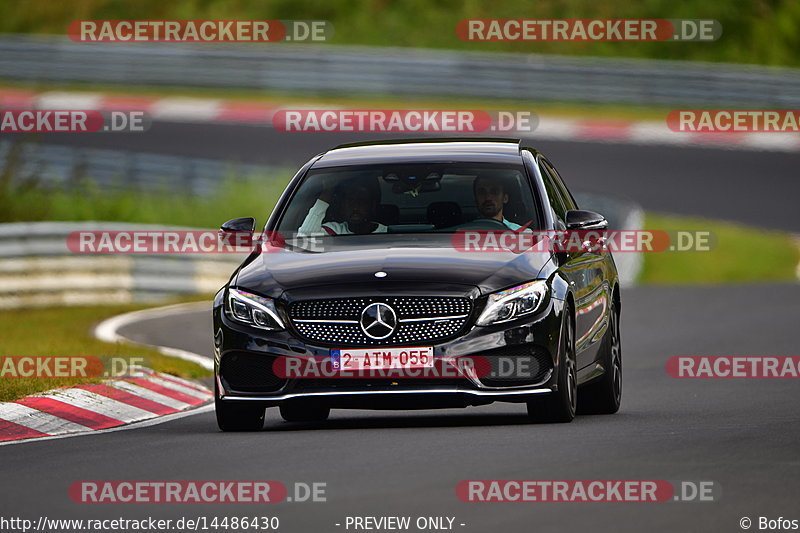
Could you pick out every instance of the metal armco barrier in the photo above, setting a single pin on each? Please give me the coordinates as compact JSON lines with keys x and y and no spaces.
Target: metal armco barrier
{"x":330,"y":70}
{"x":37,"y":268}
{"x":120,"y":169}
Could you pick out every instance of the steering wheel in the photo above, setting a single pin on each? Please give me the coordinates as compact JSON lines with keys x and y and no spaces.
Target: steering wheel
{"x":483,"y":223}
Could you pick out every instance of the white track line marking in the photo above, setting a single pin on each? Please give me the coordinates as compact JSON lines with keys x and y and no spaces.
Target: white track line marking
{"x":107,"y":330}
{"x":198,"y":359}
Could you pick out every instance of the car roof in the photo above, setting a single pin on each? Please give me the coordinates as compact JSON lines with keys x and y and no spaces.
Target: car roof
{"x":467,"y":149}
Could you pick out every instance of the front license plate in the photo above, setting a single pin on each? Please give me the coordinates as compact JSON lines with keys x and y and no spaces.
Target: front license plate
{"x":382,"y":358}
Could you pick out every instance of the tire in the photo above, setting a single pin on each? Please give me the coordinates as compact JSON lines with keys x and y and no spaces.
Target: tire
{"x":238,"y":417}
{"x":304,"y":412}
{"x":560,"y":405}
{"x":605,"y":395}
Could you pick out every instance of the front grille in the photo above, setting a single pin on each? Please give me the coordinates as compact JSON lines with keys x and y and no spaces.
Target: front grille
{"x":247,"y":372}
{"x":514,"y":366}
{"x":419,"y":319}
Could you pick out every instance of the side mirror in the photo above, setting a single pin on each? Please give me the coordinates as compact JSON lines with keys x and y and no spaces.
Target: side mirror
{"x":238,"y":233}
{"x":585,"y":220}
{"x":239,"y":224}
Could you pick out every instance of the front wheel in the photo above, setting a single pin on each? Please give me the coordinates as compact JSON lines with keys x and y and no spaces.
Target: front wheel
{"x":560,"y":405}
{"x":605,"y":395}
{"x":238,"y":416}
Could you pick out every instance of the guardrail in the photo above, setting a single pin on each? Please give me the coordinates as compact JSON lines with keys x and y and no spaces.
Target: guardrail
{"x":120,"y":169}
{"x":398,"y":71}
{"x":37,"y":269}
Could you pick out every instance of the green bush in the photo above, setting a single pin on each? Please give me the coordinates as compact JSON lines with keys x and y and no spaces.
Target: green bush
{"x":29,"y":199}
{"x":754,"y":31}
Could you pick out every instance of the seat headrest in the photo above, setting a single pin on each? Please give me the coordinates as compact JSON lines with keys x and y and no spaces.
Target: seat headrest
{"x":444,"y":214}
{"x":388,"y":214}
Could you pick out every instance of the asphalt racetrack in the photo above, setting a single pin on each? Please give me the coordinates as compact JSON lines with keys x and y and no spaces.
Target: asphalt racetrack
{"x":758,"y":188}
{"x":741,"y":434}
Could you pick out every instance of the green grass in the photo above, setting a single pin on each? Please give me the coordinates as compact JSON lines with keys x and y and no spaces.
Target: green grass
{"x":67,"y":332}
{"x":254,"y":196}
{"x":742,"y":254}
{"x":754,"y":31}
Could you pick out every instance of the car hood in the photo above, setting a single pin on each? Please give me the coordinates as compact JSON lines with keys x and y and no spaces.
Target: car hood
{"x":273,"y":273}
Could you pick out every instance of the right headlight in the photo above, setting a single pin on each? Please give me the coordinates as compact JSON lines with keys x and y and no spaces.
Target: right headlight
{"x":253,"y":310}
{"x":510,"y":304}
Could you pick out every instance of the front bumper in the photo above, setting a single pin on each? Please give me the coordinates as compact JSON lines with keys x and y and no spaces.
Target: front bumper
{"x":251,"y":352}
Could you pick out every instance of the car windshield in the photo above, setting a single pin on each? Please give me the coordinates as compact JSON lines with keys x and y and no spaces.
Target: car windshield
{"x":410,"y":199}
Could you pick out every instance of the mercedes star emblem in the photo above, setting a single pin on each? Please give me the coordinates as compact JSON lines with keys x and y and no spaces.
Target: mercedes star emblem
{"x":378,"y":321}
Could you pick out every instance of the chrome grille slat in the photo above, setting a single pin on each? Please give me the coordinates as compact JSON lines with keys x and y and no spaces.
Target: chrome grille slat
{"x":420,"y":319}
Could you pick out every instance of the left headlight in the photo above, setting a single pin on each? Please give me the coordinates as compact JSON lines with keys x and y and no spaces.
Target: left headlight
{"x":253,"y":310}
{"x":510,"y":304}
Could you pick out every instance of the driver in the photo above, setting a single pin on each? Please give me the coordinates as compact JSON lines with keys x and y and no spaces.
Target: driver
{"x":360,"y":203}
{"x":491,"y":197}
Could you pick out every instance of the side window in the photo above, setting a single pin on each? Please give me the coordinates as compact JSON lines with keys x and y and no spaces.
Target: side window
{"x":566,"y":196}
{"x":556,"y":202}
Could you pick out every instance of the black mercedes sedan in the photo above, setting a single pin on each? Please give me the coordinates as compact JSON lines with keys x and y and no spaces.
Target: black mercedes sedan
{"x":390,"y":275}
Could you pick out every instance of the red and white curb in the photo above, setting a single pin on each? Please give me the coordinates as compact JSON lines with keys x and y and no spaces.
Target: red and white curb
{"x":179,"y":109}
{"x":657,"y":133}
{"x":205,"y":110}
{"x":142,"y":396}
{"x":143,"y":399}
